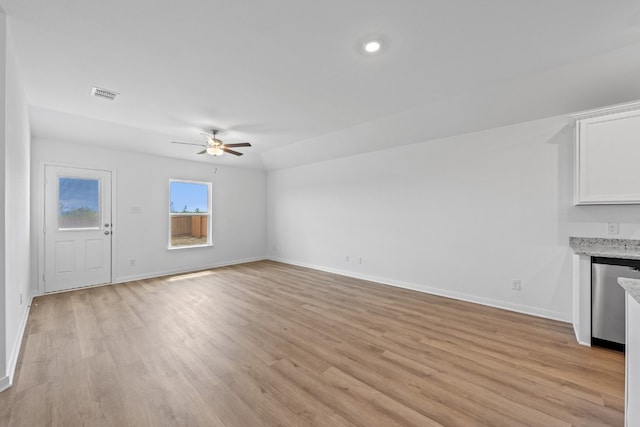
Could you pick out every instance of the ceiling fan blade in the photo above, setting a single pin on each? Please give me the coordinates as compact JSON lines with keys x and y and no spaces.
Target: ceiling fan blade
{"x":239,"y":144}
{"x":188,"y":143}
{"x":235,"y":153}
{"x":201,"y":152}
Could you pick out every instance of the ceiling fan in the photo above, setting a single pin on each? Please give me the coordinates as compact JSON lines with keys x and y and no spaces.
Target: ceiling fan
{"x":215,"y":146}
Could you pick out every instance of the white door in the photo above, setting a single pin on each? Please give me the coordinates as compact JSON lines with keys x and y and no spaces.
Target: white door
{"x":77,"y":228}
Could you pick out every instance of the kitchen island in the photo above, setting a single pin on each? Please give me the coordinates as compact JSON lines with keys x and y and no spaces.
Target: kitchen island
{"x":584,"y":249}
{"x":632,"y":356}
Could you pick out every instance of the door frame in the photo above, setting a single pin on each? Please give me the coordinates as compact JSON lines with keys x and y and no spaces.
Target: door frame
{"x":41,"y":220}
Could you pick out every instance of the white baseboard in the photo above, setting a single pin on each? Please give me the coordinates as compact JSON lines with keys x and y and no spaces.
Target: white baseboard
{"x":151,"y":275}
{"x":6,"y":382}
{"x":575,"y":330}
{"x":533,"y":311}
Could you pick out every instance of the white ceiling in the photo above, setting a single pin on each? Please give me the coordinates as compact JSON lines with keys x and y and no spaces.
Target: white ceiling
{"x":287,"y":75}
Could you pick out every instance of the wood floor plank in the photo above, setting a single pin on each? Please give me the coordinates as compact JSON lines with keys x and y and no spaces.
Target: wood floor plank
{"x":269,"y":344}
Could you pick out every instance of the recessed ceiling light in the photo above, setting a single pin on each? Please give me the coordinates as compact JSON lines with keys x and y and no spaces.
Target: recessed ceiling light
{"x":372,"y":46}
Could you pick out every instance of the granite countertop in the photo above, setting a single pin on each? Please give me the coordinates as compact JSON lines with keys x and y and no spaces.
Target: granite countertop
{"x":632,"y":286}
{"x":610,"y":248}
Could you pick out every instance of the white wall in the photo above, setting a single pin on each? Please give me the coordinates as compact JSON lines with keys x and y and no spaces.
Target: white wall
{"x":4,"y":378}
{"x":142,"y":181}
{"x":460,"y":216}
{"x":17,"y":209}
{"x":15,"y":217}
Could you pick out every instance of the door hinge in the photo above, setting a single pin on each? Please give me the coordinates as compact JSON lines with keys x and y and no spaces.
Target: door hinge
{"x":43,"y":277}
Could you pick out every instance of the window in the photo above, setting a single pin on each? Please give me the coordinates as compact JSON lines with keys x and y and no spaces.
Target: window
{"x":189,"y":214}
{"x":78,"y":203}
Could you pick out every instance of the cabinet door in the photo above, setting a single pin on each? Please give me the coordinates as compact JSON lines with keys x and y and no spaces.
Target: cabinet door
{"x":608,"y":159}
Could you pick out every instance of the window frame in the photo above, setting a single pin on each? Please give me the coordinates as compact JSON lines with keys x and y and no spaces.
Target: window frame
{"x":208,"y":214}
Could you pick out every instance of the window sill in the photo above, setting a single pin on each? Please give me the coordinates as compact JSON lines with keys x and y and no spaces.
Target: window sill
{"x":174,"y":248}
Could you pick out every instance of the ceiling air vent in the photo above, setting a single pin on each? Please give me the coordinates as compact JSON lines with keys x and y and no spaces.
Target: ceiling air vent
{"x":103,"y":93}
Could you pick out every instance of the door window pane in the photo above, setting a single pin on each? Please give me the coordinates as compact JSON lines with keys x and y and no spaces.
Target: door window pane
{"x":79,"y":203}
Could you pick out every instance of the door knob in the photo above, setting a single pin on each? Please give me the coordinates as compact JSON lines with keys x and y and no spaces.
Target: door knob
{"x":107,"y":225}
{"x":107,"y":232}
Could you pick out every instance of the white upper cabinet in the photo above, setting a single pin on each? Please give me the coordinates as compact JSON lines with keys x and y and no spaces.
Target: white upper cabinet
{"x":607,"y":151}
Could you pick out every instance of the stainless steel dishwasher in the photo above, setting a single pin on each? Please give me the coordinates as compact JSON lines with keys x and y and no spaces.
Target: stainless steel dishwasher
{"x":607,"y":300}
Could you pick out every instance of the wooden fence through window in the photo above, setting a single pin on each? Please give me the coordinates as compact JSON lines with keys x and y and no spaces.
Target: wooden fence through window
{"x":189,"y":225}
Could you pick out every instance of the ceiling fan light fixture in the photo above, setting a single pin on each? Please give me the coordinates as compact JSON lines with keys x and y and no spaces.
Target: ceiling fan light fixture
{"x":215,"y":150}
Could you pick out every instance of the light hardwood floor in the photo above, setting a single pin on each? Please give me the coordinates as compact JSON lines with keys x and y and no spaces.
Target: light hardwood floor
{"x":266,"y":344}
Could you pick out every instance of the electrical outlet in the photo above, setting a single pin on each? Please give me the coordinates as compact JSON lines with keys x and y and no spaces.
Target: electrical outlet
{"x":132,"y":262}
{"x":613,"y":228}
{"x":516,"y":285}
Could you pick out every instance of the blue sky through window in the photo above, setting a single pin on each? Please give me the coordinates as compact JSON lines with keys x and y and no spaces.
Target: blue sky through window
{"x":189,"y":197}
{"x":77,"y":193}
